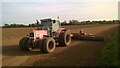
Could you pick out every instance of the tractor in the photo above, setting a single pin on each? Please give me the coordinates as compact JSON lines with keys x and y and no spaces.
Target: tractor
{"x":46,"y":37}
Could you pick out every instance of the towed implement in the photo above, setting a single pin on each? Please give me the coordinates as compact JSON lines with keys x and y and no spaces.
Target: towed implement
{"x":87,"y":37}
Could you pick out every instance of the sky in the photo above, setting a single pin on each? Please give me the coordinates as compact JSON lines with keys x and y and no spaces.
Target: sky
{"x":119,"y":10}
{"x":27,"y":11}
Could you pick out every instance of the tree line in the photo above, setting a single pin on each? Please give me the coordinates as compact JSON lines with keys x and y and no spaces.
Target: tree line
{"x":19,"y":25}
{"x":76,"y":22}
{"x":71,"y":22}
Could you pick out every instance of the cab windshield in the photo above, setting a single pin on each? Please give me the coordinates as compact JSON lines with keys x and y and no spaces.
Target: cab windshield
{"x":46,"y":25}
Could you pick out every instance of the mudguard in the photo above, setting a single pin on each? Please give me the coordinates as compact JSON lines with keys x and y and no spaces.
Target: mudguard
{"x":59,"y":31}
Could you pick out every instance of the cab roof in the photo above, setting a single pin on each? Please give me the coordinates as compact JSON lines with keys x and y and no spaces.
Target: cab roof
{"x":48,"y":19}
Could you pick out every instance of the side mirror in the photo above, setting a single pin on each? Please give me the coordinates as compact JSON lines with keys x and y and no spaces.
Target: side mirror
{"x":54,"y":21}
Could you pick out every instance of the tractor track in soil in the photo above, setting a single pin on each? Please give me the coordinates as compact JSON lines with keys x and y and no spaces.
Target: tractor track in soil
{"x":79,"y":53}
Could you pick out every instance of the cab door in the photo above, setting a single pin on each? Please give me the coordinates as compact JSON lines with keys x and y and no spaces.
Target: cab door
{"x":56,"y":25}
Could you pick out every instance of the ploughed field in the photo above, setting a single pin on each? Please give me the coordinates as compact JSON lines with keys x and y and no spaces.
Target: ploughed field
{"x":79,"y":53}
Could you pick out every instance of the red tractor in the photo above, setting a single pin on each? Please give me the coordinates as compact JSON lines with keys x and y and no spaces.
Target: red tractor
{"x":46,"y":37}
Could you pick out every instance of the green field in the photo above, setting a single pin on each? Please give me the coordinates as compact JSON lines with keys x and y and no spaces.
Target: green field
{"x":110,"y":52}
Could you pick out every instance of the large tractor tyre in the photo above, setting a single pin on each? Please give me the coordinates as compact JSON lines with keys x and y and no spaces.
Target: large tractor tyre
{"x":47,"y":45}
{"x":23,"y":44}
{"x":64,"y":38}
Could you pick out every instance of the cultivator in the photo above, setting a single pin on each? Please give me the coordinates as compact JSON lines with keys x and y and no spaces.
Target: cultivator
{"x":87,"y":37}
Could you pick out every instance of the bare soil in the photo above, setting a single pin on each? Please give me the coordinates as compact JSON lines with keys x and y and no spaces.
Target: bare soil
{"x":79,"y":53}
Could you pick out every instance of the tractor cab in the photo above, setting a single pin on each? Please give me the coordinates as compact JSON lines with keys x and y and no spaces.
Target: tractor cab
{"x":51,"y":25}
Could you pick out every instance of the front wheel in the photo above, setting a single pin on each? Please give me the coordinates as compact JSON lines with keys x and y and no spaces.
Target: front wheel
{"x":47,"y":45}
{"x":23,"y":44}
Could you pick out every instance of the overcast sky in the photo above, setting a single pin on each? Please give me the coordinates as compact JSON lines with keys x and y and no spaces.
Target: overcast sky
{"x":27,"y":11}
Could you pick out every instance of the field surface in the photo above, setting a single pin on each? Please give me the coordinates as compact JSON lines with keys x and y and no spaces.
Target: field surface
{"x":79,"y":53}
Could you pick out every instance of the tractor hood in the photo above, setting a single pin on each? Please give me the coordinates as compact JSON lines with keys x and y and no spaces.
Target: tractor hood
{"x":39,"y":34}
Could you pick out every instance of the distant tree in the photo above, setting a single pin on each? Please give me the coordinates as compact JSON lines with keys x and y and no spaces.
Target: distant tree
{"x":70,"y":21}
{"x":65,"y":22}
{"x":29,"y":25}
{"x":74,"y":22}
{"x":6,"y":25}
{"x":88,"y":22}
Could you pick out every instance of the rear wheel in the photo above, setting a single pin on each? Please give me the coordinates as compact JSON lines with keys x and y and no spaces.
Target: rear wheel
{"x":23,"y":44}
{"x":64,"y":38}
{"x":47,"y":45}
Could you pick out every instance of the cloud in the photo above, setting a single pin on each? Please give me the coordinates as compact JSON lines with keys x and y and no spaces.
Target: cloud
{"x":60,"y":0}
{"x":28,"y":12}
{"x":92,"y":11}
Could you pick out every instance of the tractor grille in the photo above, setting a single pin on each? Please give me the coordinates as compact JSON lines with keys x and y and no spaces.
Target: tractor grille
{"x":31,"y":34}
